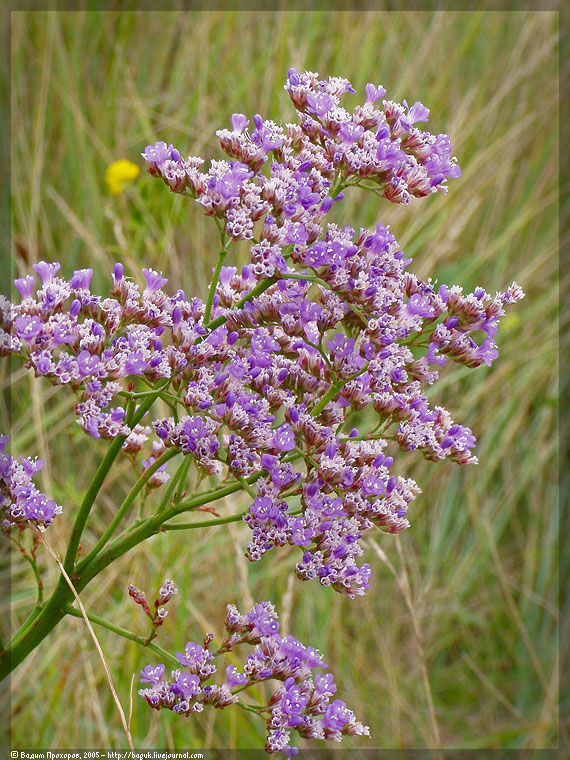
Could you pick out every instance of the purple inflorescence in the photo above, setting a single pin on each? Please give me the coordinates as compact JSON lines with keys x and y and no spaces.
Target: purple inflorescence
{"x":324,"y":321}
{"x":301,"y":702}
{"x":20,"y":501}
{"x":377,"y":145}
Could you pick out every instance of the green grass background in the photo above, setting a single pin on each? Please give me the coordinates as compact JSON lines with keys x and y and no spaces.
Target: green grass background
{"x":462,"y":613}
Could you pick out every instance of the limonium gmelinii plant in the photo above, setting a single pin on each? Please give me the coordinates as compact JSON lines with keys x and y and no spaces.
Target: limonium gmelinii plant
{"x":262,"y":377}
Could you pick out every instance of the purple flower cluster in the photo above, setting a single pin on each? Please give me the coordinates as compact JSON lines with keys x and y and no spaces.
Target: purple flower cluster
{"x":377,"y":146}
{"x":73,"y":337}
{"x":324,"y":322}
{"x":302,"y":701}
{"x":20,"y":501}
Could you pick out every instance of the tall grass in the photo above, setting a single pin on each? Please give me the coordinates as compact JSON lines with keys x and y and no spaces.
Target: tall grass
{"x":456,"y":642}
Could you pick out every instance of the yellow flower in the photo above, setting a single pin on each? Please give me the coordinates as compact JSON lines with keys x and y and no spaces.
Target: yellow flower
{"x":120,"y":173}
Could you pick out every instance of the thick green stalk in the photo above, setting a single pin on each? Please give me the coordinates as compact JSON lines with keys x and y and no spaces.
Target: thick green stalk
{"x":46,"y":620}
{"x":97,"y":482}
{"x":329,"y":395}
{"x":88,"y":500}
{"x":169,"y":454}
{"x":55,"y":608}
{"x":24,"y":641}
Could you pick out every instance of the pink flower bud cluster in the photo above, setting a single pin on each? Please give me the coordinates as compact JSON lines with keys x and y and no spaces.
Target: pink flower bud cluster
{"x":158,"y":613}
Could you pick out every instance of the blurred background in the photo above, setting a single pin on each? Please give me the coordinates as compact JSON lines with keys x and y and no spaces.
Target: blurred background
{"x":456,"y":643}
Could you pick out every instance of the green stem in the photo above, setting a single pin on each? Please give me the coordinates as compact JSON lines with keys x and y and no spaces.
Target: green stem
{"x":246,"y":486}
{"x":38,"y":578}
{"x":214,"y":284}
{"x":167,"y":397}
{"x":97,"y":482}
{"x":70,"y":610}
{"x":182,"y":478}
{"x":260,"y":288}
{"x":329,"y":395}
{"x":121,"y":512}
{"x":205,"y":524}
{"x":307,"y":277}
{"x":25,"y":641}
{"x":203,"y":498}
{"x":88,"y":500}
{"x":332,"y":392}
{"x":167,"y":496}
{"x":250,"y":708}
{"x":54,"y":610}
{"x":218,"y":493}
{"x":208,"y":523}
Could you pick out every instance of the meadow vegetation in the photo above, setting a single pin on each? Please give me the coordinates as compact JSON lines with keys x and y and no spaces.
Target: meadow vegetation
{"x":456,"y":643}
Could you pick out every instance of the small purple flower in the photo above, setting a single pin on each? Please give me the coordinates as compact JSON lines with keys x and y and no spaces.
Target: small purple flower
{"x":293,"y":77}
{"x":81,"y":279}
{"x":373,"y":485}
{"x":89,"y":363}
{"x":350,"y":132}
{"x":28,"y":328}
{"x":152,"y":674}
{"x":284,"y":438}
{"x":263,"y":619}
{"x":420,"y":305}
{"x":374,"y":93}
{"x":488,"y":351}
{"x":296,"y":234}
{"x":118,"y":271}
{"x":417,"y":112}
{"x":186,"y":685}
{"x":336,"y":715}
{"x":319,"y":103}
{"x":153,"y":280}
{"x":341,"y":346}
{"x":195,"y":428}
{"x":234,"y":678}
{"x":239,"y":122}
{"x":25,"y":286}
{"x":136,"y":364}
{"x":156,"y":155}
{"x":47,"y":271}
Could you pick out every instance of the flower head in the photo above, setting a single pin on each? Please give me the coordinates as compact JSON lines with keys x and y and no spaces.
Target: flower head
{"x":300,"y":703}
